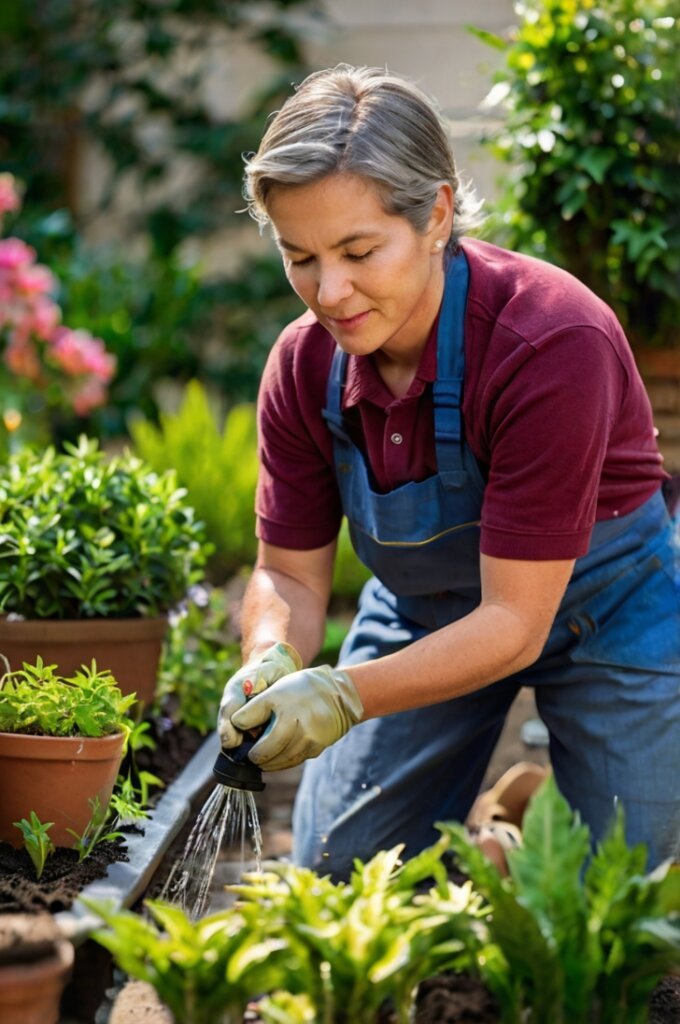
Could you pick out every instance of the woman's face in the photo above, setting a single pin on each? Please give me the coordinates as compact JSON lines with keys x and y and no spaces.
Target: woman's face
{"x":372,"y":280}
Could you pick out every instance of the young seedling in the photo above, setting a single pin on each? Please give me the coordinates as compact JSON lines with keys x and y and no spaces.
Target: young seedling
{"x":37,"y":842}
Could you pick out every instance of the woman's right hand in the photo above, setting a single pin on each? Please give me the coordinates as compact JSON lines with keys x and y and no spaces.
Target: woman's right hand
{"x":252,"y":678}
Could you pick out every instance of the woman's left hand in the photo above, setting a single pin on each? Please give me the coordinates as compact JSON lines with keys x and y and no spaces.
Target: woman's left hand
{"x":303,"y":712}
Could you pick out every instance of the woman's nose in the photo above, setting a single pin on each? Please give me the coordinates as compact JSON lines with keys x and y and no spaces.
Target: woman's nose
{"x":334,"y":286}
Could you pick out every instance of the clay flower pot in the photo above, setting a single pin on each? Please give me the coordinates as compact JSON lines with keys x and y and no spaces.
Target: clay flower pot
{"x":35,"y":962}
{"x":129,"y":648}
{"x":57,"y":777}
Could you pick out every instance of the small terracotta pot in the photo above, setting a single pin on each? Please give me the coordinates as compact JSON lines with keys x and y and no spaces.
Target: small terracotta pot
{"x":129,"y":648}
{"x":55,"y":776}
{"x":31,"y":993}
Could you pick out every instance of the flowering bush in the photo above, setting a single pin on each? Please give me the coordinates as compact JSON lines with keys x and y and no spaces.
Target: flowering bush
{"x":40,"y":356}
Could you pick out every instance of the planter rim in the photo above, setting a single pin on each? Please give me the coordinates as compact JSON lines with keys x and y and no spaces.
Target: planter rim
{"x":59,"y":961}
{"x":92,"y":629}
{"x":47,"y":748}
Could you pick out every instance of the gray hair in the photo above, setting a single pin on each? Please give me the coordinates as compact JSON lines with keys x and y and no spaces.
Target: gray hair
{"x":369,"y":122}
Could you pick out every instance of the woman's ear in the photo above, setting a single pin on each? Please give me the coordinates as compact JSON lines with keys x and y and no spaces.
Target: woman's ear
{"x":440,"y":223}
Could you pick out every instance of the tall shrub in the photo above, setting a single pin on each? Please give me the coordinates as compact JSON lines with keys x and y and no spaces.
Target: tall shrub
{"x":591,"y":93}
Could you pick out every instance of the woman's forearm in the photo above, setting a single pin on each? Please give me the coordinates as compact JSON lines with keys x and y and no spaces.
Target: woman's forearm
{"x":488,"y":644}
{"x":277,"y":607}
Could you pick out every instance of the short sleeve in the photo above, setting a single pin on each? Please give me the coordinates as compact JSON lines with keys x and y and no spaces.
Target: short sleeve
{"x":549,"y":425}
{"x":297,"y":501}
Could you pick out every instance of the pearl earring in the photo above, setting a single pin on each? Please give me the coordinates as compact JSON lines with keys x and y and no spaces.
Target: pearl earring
{"x":439,"y":244}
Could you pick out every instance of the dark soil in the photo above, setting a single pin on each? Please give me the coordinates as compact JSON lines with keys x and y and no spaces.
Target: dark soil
{"x":455,"y":998}
{"x":61,"y":881}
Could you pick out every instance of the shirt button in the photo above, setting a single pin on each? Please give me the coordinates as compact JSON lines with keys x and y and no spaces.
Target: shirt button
{"x":396,"y":438}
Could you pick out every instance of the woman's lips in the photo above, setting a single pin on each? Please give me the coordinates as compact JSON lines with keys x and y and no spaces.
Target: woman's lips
{"x":350,"y":323}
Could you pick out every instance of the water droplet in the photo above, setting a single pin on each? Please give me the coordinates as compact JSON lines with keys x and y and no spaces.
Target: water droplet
{"x":364,"y":785}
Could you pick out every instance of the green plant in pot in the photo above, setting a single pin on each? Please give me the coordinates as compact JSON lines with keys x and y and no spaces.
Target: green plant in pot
{"x":62,"y":739}
{"x":94,"y":552}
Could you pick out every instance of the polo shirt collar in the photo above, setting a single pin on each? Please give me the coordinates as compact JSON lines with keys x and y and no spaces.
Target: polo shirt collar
{"x":364,"y":384}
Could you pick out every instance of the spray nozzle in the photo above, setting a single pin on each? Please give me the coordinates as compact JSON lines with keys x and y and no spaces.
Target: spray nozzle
{"x":234,"y":768}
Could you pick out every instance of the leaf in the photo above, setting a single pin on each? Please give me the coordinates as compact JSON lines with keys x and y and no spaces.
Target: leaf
{"x":596,"y":160}
{"x":489,"y":38}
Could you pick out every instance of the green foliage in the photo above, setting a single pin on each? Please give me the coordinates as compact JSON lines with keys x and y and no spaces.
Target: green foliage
{"x":95,"y":831}
{"x":86,"y":536}
{"x":351,"y":946}
{"x":37,"y":842}
{"x":101,"y":72}
{"x":163,"y":321}
{"x":567,"y":947}
{"x":349,"y":574}
{"x":203,"y":971}
{"x":323,"y":952}
{"x":37,"y":702}
{"x":591,"y":134}
{"x":128,"y":803}
{"x":199,"y":656}
{"x":216,"y":463}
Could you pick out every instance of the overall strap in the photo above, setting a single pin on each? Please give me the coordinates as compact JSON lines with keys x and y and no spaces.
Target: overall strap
{"x":334,"y":390}
{"x":447,"y":390}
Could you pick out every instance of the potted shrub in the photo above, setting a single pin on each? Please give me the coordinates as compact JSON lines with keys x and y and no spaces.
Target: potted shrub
{"x":35,"y":961}
{"x":94,"y":552}
{"x":62,"y":740}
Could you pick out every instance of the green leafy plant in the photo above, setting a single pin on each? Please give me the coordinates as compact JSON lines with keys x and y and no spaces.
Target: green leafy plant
{"x":96,"y":831}
{"x":590,"y":93}
{"x":216,"y":463}
{"x":36,"y":701}
{"x":87,"y":536}
{"x":320,"y":951}
{"x":128,"y":803}
{"x":199,"y":656}
{"x":355,"y":945}
{"x":566,"y":943}
{"x":203,"y":971}
{"x":37,"y":842}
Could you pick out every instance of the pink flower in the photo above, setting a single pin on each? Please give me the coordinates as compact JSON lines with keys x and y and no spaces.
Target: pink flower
{"x":15,"y":253}
{"x":9,"y":197}
{"x":21,"y":358}
{"x":34,"y":280}
{"x":42,"y":318}
{"x":78,"y":353}
{"x":90,"y":395}
{"x":33,"y":345}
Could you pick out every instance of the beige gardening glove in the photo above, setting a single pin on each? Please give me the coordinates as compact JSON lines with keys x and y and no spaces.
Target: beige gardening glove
{"x":304,"y":713}
{"x":252,"y":678}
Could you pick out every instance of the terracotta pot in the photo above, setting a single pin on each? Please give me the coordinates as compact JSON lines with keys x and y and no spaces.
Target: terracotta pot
{"x":31,"y":993}
{"x":55,"y":776}
{"x":129,"y":648}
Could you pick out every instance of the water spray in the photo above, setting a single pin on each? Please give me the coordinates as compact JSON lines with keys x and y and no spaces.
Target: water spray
{"x":230,"y":808}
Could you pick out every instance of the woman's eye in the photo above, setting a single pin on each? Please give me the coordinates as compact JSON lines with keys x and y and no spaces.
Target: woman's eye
{"x":357,"y":257}
{"x":301,"y":263}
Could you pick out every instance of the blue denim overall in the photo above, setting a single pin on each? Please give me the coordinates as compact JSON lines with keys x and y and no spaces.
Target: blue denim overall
{"x":607,"y":684}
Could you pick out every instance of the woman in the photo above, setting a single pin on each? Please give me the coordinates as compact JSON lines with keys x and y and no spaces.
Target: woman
{"x":478,"y":417}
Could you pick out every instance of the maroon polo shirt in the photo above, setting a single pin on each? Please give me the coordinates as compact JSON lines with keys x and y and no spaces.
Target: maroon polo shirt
{"x":554,"y":410}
